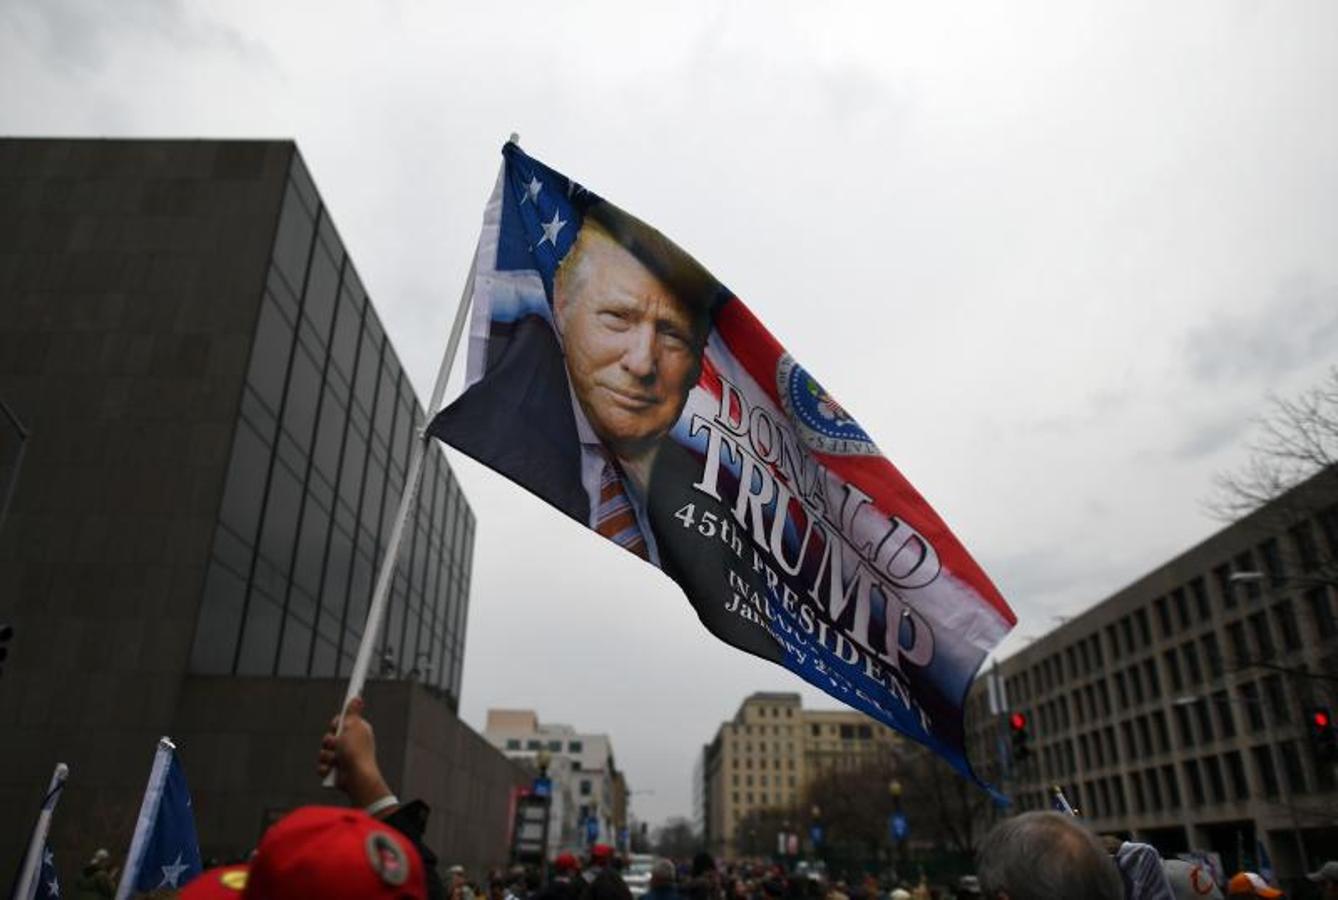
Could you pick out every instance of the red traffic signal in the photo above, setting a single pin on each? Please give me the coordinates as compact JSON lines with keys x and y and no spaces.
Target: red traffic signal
{"x":1320,"y":718}
{"x":1017,"y":721}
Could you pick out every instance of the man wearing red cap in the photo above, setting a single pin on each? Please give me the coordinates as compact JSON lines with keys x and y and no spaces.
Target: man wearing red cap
{"x":1248,"y":884}
{"x":604,"y":882}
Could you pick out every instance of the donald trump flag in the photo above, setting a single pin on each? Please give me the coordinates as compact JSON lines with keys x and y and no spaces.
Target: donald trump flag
{"x":614,"y":377}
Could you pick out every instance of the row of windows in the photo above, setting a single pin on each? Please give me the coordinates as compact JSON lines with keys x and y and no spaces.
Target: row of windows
{"x":762,"y":780}
{"x":1190,"y":606}
{"x":1190,"y":665}
{"x":318,"y":463}
{"x":762,"y":763}
{"x":762,"y":798}
{"x":550,"y":746}
{"x":1262,"y":705}
{"x":1207,"y":780}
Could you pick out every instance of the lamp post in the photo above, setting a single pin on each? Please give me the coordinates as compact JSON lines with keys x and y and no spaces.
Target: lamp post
{"x":815,"y":831}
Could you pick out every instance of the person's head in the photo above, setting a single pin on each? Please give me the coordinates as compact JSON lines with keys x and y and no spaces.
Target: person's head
{"x":662,"y":873}
{"x":566,"y":864}
{"x":320,"y":851}
{"x":1039,"y":855}
{"x":1327,"y":879}
{"x":101,"y":858}
{"x":457,"y":876}
{"x":633,"y":312}
{"x":601,"y":855}
{"x":1248,"y":884}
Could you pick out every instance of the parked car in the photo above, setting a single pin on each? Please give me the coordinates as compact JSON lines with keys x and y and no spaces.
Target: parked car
{"x":637,"y":873}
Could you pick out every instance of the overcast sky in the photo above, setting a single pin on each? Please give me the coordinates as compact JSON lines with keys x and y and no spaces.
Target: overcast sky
{"x":1052,"y":256}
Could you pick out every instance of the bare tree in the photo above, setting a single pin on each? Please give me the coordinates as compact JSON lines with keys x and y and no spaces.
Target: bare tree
{"x":1297,"y":439}
{"x":676,"y":839}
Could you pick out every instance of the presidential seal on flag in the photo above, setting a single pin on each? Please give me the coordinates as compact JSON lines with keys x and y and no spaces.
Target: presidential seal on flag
{"x":822,"y":423}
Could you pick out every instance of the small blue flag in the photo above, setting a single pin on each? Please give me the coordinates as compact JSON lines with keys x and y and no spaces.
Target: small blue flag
{"x":165,"y":852}
{"x":172,"y":855}
{"x":48,"y":885}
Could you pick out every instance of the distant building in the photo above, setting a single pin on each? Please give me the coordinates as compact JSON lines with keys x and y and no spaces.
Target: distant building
{"x":1173,"y":710}
{"x":218,"y":430}
{"x":771,"y":751}
{"x":589,"y":791}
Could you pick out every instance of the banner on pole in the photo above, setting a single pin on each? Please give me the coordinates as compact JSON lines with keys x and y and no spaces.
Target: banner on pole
{"x":614,"y":377}
{"x":164,"y":850}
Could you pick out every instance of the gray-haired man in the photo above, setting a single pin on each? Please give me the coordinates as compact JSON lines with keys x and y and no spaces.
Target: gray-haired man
{"x":1045,"y":855}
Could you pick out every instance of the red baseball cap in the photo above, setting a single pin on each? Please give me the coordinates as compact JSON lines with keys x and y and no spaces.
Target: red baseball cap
{"x":566,"y":862}
{"x":1251,"y":885}
{"x":321,"y":851}
{"x":601,"y":851}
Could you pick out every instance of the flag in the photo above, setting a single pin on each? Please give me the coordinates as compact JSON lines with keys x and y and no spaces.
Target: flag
{"x":164,"y":851}
{"x":37,"y":876}
{"x":48,"y":883}
{"x":614,"y":377}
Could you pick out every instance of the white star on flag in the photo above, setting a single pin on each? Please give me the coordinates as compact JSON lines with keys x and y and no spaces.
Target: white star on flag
{"x":48,"y":858}
{"x":52,"y":888}
{"x":551,"y":229}
{"x":172,"y":873}
{"x":532,"y":189}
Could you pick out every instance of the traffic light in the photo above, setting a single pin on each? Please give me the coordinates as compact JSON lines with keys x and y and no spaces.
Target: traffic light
{"x":1323,"y":739}
{"x":1017,"y":723}
{"x":6,"y":632}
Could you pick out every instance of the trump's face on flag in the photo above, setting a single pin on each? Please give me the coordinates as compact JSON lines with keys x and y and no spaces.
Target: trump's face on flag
{"x":632,"y":346}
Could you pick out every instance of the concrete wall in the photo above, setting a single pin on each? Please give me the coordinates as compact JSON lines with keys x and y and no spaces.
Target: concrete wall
{"x":130,"y":276}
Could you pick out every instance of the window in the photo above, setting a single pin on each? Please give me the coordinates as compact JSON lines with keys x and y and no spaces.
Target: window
{"x":1225,"y":589}
{"x":1245,"y":563}
{"x":1272,"y":557}
{"x":513,"y":743}
{"x":1163,"y":615}
{"x":1212,"y":655}
{"x":1291,"y":767}
{"x":1201,"y":713}
{"x":1276,"y":698}
{"x":1163,"y":734}
{"x":1172,"y":785}
{"x":1216,"y":786}
{"x":1268,"y":775}
{"x":574,"y":746}
{"x":1285,"y":617}
{"x":1181,"y":607}
{"x":1321,"y":612}
{"x":1191,"y":656}
{"x":1240,"y":647}
{"x":1199,"y":591}
{"x":1249,"y":698}
{"x":533,"y":745}
{"x":1263,"y":638}
{"x":1240,"y":785}
{"x":555,"y":746}
{"x":1225,"y":720}
{"x":1150,"y":676}
{"x":1173,"y":669}
{"x":1193,"y":779}
{"x":1154,"y":789}
{"x":1120,"y":693}
{"x":1183,"y":726}
{"x":1140,"y":804}
{"x":1303,"y":542}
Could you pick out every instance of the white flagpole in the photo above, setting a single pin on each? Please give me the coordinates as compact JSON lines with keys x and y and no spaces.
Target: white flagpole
{"x":381,"y":594}
{"x":148,"y":814}
{"x":26,"y":889}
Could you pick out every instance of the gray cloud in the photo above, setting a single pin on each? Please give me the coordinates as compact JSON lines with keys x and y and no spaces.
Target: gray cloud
{"x":1297,"y":328}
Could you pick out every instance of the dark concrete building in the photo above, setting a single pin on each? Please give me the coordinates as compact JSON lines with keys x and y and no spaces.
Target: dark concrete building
{"x":218,"y":433}
{"x":1177,"y":710}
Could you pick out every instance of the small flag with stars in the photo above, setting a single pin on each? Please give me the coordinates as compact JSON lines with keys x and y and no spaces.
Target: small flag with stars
{"x":614,"y":377}
{"x":48,"y":883}
{"x":164,"y":851}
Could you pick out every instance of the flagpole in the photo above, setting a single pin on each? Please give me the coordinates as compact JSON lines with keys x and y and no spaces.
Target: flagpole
{"x":381,"y":594}
{"x":148,"y":814}
{"x":26,"y":888}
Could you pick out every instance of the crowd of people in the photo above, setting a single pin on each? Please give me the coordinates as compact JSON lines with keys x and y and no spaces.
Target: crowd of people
{"x":375,"y":849}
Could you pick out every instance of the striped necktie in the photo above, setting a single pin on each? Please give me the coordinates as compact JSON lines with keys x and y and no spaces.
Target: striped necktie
{"x":615,"y":518}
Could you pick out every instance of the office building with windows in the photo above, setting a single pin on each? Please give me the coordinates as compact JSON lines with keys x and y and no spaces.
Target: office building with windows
{"x":769,"y":754}
{"x":1176,"y":710}
{"x":589,"y":799}
{"x":218,"y":435}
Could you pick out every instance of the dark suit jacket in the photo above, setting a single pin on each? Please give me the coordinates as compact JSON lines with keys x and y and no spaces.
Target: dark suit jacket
{"x":518,"y":421}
